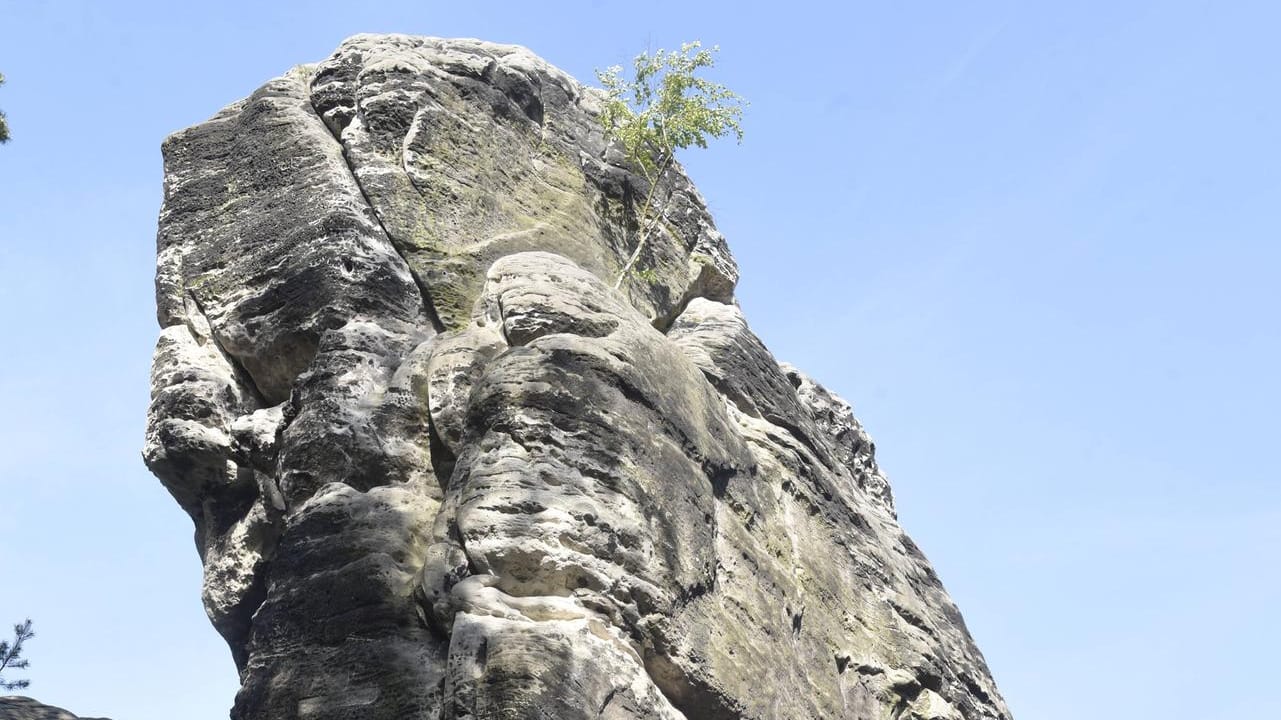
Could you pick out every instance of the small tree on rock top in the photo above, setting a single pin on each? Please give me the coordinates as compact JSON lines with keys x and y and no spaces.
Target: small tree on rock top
{"x":663,"y":108}
{"x":11,"y":655}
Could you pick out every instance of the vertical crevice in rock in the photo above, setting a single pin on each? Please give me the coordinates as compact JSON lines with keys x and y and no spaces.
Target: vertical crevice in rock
{"x":443,"y":459}
{"x":208,"y":331}
{"x":429,"y":308}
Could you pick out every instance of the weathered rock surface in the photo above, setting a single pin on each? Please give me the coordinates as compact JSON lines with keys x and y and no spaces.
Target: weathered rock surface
{"x":439,"y":468}
{"x":25,"y":708}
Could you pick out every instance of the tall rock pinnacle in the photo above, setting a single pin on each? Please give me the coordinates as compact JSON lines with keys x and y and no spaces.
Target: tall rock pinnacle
{"x":439,"y":468}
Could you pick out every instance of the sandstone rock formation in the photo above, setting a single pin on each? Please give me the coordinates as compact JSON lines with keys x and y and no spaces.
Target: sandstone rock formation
{"x":24,"y":708}
{"x":439,"y":468}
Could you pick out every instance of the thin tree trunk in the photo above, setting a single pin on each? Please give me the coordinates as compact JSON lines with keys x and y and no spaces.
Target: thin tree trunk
{"x":647,"y":223}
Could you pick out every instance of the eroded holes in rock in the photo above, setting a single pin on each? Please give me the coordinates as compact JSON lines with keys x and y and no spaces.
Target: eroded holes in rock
{"x":929,"y":680}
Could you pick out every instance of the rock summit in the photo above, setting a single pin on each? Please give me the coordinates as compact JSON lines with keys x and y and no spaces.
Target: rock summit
{"x":439,"y":468}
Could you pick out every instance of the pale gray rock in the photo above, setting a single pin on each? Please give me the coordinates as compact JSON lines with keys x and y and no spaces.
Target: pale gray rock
{"x":468,"y":151}
{"x":25,"y":708}
{"x":853,"y":446}
{"x":440,"y":468}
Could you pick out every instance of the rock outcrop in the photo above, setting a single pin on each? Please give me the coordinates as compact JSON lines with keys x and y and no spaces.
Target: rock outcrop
{"x":24,"y":708}
{"x":440,"y":468}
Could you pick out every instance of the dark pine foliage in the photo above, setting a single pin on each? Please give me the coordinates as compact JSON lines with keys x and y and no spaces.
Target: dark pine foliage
{"x":11,"y":655}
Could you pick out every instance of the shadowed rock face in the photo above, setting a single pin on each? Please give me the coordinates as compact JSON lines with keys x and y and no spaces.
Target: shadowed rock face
{"x":440,"y":468}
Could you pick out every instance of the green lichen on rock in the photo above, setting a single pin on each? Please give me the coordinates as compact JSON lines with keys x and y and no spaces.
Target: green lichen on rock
{"x":440,"y":467}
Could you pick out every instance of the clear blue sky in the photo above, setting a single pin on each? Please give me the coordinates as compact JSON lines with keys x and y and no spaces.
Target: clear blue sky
{"x":1037,"y":248}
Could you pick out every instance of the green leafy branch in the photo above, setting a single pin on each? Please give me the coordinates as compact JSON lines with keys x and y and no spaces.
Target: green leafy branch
{"x":664,"y":107}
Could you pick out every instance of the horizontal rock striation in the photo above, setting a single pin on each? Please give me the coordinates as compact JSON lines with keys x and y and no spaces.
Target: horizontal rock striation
{"x":17,"y":707}
{"x":440,"y":468}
